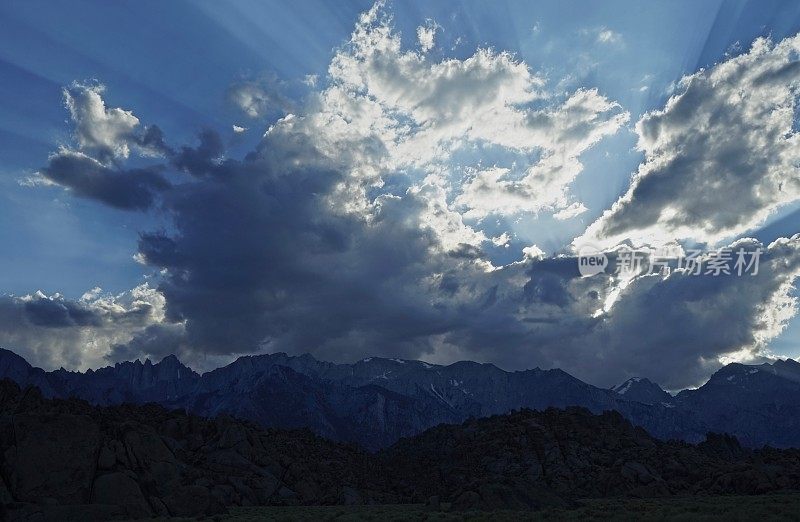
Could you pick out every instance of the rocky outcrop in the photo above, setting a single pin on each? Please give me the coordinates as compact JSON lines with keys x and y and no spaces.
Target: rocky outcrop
{"x":121,"y":489}
{"x":53,"y":456}
{"x":138,"y":461}
{"x":534,"y":459}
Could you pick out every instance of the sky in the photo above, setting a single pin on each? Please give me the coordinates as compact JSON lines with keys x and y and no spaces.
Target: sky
{"x":400,"y":179}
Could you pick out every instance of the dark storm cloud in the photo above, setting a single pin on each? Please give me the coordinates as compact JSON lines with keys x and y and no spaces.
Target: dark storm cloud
{"x":152,"y":142}
{"x":674,"y":329}
{"x":132,"y":189}
{"x":202,"y":160}
{"x":671,"y":329}
{"x":156,"y":341}
{"x":60,"y":313}
{"x":548,"y":280}
{"x":260,"y":257}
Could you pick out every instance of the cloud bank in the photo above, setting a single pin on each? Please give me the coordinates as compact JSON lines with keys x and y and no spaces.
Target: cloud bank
{"x":358,"y":225}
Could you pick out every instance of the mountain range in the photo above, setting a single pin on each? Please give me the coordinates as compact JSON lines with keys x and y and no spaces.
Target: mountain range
{"x":65,"y":459}
{"x":376,"y":401}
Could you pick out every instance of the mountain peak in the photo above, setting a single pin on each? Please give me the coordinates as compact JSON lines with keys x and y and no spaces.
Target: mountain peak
{"x":641,"y":389}
{"x":739,"y":373}
{"x":625,"y":386}
{"x":172,"y":369}
{"x":787,"y":368}
{"x":8,"y":357}
{"x":171,"y":360}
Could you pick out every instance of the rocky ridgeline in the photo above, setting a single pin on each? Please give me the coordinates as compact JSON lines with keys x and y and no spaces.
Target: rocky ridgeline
{"x":69,"y":460}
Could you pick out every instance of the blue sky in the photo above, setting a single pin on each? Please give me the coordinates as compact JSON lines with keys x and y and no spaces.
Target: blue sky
{"x":176,"y":65}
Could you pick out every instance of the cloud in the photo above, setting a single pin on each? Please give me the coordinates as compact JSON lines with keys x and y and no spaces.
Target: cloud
{"x":52,"y":331}
{"x":105,"y":138}
{"x":259,"y":98}
{"x":720,"y":157}
{"x":583,"y":120}
{"x":573,"y":210}
{"x":259,"y":258}
{"x":132,"y":189}
{"x":674,"y":329}
{"x":607,"y":36}
{"x":679,"y":328}
{"x":107,"y":133}
{"x":501,"y":240}
{"x":99,"y":130}
{"x":349,"y":231}
{"x":426,"y":34}
{"x":424,"y":112}
{"x":482,"y":97}
{"x":202,"y":160}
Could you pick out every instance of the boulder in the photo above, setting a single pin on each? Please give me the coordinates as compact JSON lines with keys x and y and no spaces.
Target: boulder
{"x":145,"y":447}
{"x":107,"y":458}
{"x":159,"y":508}
{"x":152,"y":459}
{"x":5,"y":494}
{"x":351,"y":497}
{"x":467,"y":501}
{"x":188,"y":501}
{"x":54,"y":456}
{"x":120,"y":490}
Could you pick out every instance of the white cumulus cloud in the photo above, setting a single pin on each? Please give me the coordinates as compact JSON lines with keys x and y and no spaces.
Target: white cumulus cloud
{"x":720,"y":157}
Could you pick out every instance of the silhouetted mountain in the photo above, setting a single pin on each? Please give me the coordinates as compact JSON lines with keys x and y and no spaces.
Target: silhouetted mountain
{"x":68,"y":460}
{"x":759,"y":404}
{"x":438,"y":394}
{"x":279,"y":396}
{"x":643,"y":390}
{"x":376,"y":401}
{"x":135,"y":381}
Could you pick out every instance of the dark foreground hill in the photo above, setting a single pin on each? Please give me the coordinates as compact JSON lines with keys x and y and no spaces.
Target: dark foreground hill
{"x":67,"y":459}
{"x":530,"y":458}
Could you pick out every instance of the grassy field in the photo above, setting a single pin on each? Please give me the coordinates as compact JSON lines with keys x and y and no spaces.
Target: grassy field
{"x":766,"y":507}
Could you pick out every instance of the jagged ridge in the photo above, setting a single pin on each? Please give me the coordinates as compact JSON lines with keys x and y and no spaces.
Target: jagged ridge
{"x":376,"y":401}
